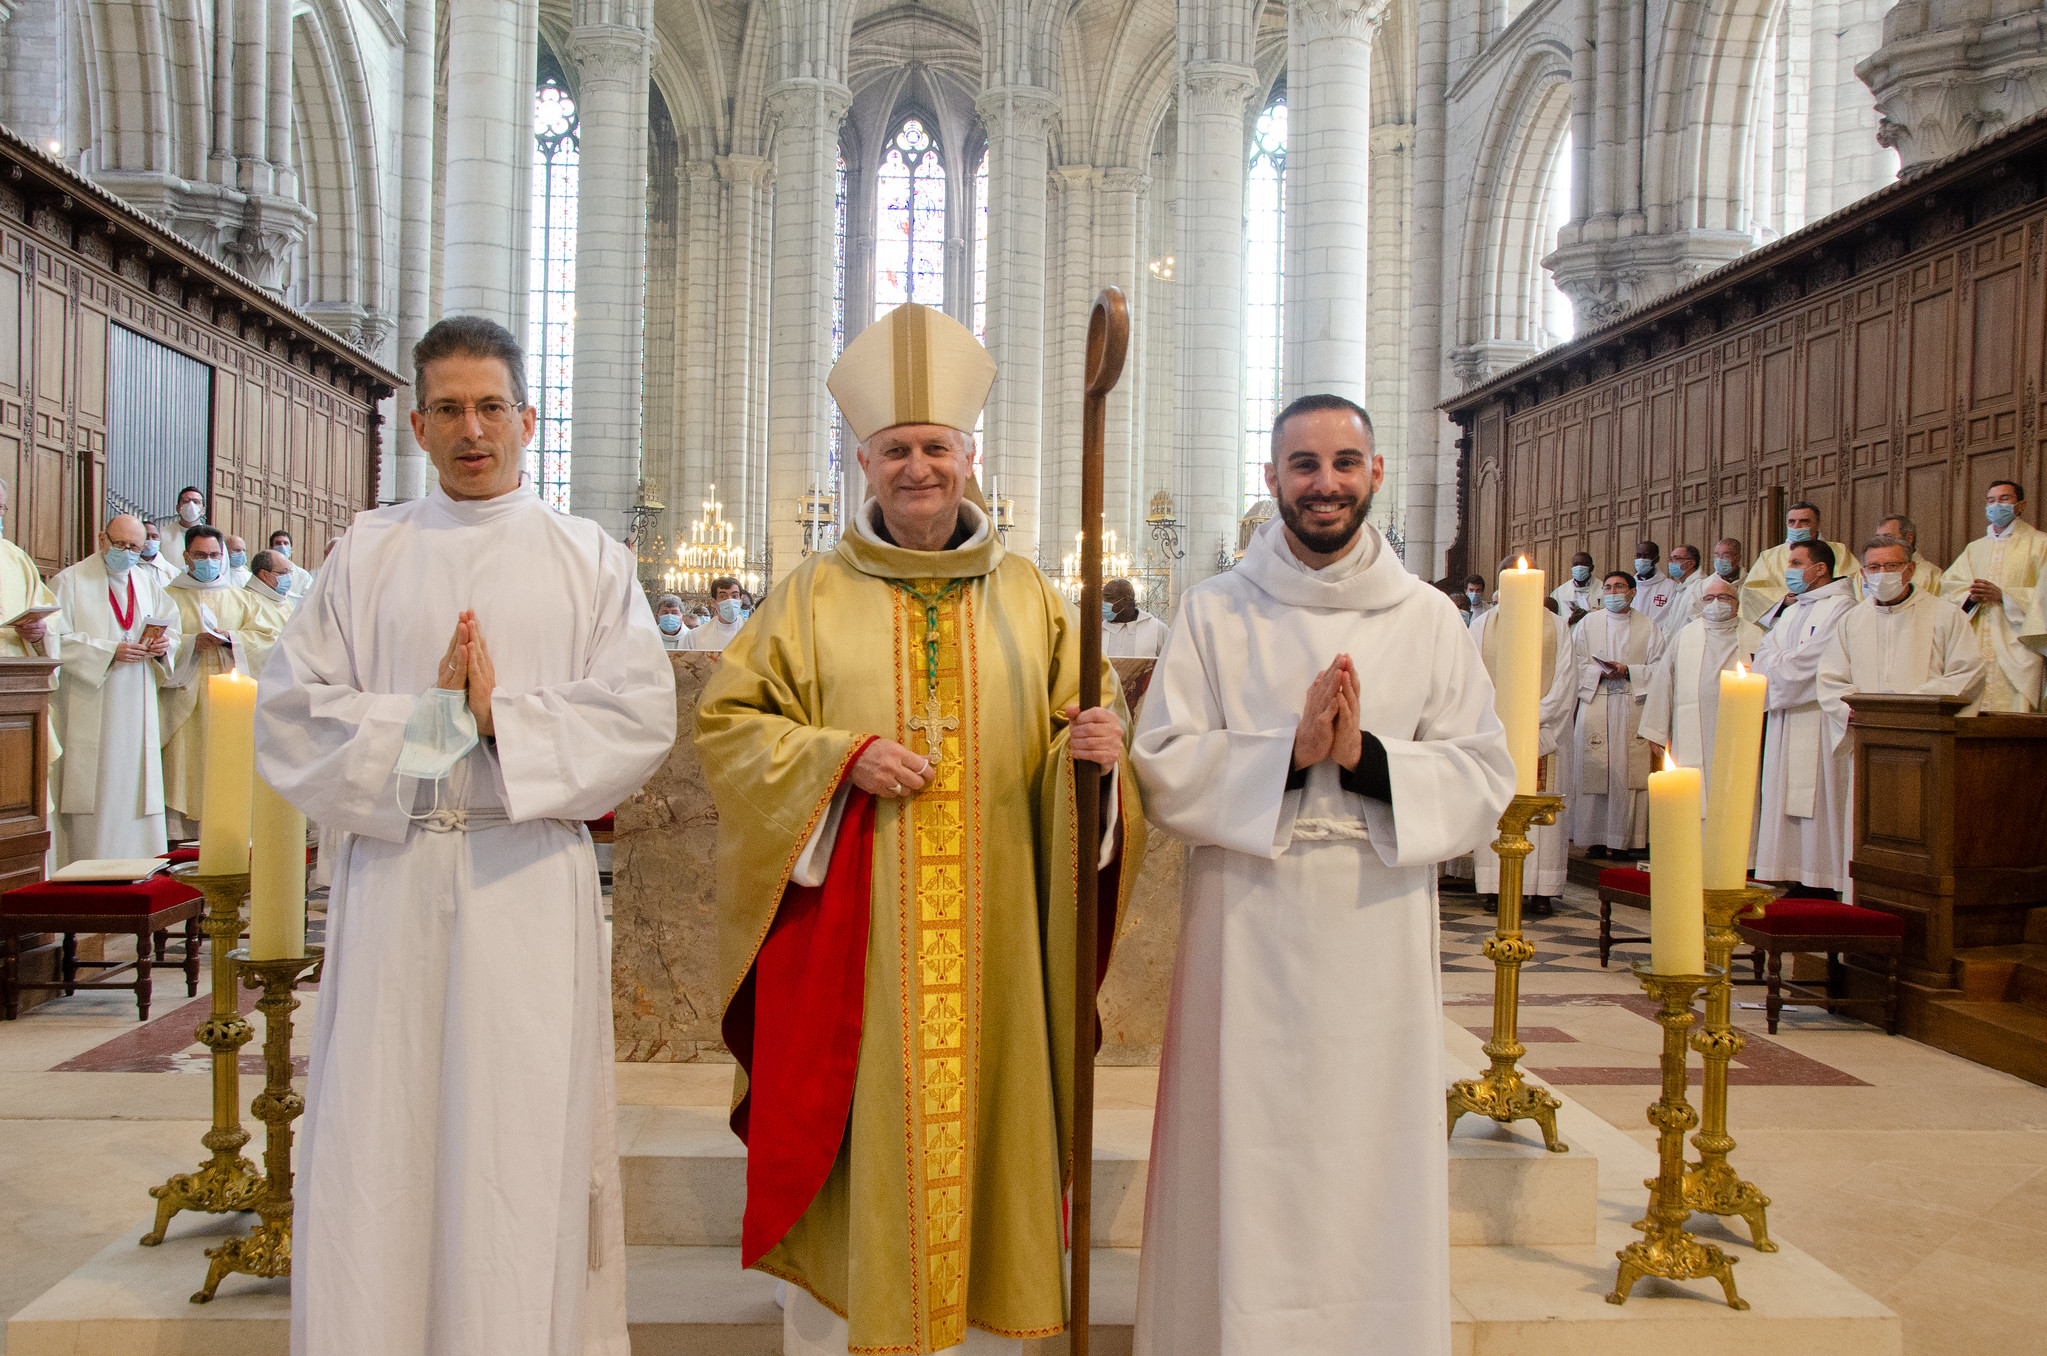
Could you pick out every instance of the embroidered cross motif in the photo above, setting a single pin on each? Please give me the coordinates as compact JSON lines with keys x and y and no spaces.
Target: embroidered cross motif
{"x":933,"y":725}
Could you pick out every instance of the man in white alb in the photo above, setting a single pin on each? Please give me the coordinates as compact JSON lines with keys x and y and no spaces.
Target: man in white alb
{"x":1681,"y":714}
{"x":1579,"y":593}
{"x":1655,"y":591}
{"x":458,"y":1190}
{"x":1128,"y":631}
{"x":1684,"y":571}
{"x":1925,"y":574}
{"x":1800,"y":833}
{"x":1546,"y":866}
{"x":728,"y":598}
{"x":670,"y":616}
{"x":1614,"y":651}
{"x":110,"y":778}
{"x":237,"y":561}
{"x":155,"y":559}
{"x":1765,"y":592}
{"x":191,"y":511}
{"x":1993,"y":582}
{"x":1322,"y":732}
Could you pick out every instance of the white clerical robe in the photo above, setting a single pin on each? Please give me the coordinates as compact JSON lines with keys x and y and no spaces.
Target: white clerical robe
{"x":1544,"y":869}
{"x":1143,"y":637}
{"x":2012,"y":560}
{"x":1609,"y":798}
{"x":1570,"y":594}
{"x":1298,"y":1196}
{"x":110,"y":779}
{"x":1655,"y":598}
{"x":458,"y":1189}
{"x":712,"y":635}
{"x":1801,"y":832}
{"x":1684,"y":609}
{"x":1682,"y":710}
{"x":1764,"y":588}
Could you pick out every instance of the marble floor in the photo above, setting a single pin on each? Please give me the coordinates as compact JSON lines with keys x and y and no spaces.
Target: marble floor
{"x":1918,"y":1176}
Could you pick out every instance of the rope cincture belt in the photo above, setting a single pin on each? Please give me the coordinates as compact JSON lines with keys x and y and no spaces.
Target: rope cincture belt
{"x":474,"y":821}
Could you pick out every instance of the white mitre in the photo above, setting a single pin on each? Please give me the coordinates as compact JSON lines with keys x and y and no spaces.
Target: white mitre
{"x":913,"y":366}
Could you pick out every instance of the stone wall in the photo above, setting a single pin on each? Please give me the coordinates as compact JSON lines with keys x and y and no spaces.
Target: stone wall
{"x":665,"y":997}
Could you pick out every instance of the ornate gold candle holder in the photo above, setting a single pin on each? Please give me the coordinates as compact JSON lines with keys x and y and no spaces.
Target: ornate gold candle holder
{"x":227,"y":1182}
{"x":1501,"y":1092}
{"x":266,"y":1251}
{"x":1712,"y":1187}
{"x":1666,"y":1249}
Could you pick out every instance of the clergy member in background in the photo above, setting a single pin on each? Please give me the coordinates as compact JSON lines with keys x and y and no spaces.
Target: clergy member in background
{"x":1992,"y":581}
{"x":1544,"y":880}
{"x":1925,"y":574}
{"x":1681,"y":713}
{"x":892,"y":744}
{"x":190,"y":513}
{"x":1474,"y":598}
{"x":1899,"y":639}
{"x":237,"y":561}
{"x":1614,"y":651}
{"x":1684,"y":571}
{"x":221,"y":629}
{"x":1765,"y":593}
{"x":1579,"y":593}
{"x":1128,"y":631}
{"x":670,"y":616}
{"x":21,"y":588}
{"x":728,"y":597}
{"x":1801,"y":829}
{"x":297,"y":581}
{"x":154,"y":559}
{"x":270,"y":580}
{"x":110,"y":779}
{"x":1655,"y":592}
{"x":458,"y":1175}
{"x":273,"y":610}
{"x":1321,"y":732}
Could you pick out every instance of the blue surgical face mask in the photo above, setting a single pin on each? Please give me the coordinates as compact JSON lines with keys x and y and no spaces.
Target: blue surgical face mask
{"x":1796,"y":582}
{"x":1615,"y":602}
{"x":120,"y":560}
{"x":1644,"y":567}
{"x":284,"y":550}
{"x":1723,"y":567}
{"x":149,"y":550}
{"x":1108,"y":612}
{"x":1473,"y":597}
{"x":670,"y":623}
{"x":238,"y":559}
{"x":1677,"y":571}
{"x":1580,"y":573}
{"x":1793,"y":535}
{"x":2000,"y":515}
{"x":206,"y":569}
{"x":729,"y":610}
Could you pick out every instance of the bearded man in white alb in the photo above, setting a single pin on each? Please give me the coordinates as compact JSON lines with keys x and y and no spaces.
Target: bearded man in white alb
{"x":1681,"y":714}
{"x":1800,"y":832}
{"x":1547,"y":865}
{"x":1614,"y":649}
{"x":458,"y":1177}
{"x":1321,"y":731}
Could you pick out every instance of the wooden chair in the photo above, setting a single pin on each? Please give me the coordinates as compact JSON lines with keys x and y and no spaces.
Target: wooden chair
{"x":1624,"y":885}
{"x":147,"y":910}
{"x":1834,"y":929}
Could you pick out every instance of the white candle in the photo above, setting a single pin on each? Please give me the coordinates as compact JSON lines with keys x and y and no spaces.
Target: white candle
{"x":230,"y":774}
{"x":1677,"y":905}
{"x":1737,"y":756}
{"x":277,"y":878}
{"x":1519,"y":680}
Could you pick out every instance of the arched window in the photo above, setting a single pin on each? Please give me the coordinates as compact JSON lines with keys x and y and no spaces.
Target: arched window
{"x":838,"y":304}
{"x":909,"y":234}
{"x":1264,"y":269}
{"x":551,"y":333}
{"x":1557,"y":320}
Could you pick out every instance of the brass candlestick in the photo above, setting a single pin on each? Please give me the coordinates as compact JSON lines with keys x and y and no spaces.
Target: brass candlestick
{"x":1711,"y":1186}
{"x":227,"y":1182}
{"x":266,"y":1251}
{"x":1666,"y":1249}
{"x":1501,"y":1092}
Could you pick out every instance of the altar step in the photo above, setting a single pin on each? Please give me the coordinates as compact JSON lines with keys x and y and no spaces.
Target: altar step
{"x":684,"y":1174}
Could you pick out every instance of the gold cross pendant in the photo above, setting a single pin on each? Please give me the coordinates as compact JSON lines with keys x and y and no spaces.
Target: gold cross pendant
{"x":933,"y":725}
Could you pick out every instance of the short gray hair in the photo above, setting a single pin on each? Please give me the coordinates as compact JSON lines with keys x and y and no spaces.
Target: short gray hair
{"x":668,"y":600}
{"x":1907,"y":529}
{"x":468,"y":336}
{"x":1884,"y":541}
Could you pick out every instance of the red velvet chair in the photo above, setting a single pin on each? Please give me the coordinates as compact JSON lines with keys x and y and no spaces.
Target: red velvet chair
{"x":1829,"y":927}
{"x":1626,"y":885}
{"x":147,"y":909}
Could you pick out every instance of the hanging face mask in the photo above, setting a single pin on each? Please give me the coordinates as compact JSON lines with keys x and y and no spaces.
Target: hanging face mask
{"x":1884,"y":585}
{"x":2000,"y":515}
{"x":1677,"y":571}
{"x":1723,"y":567}
{"x":439,"y":734}
{"x":1794,"y":535}
{"x":206,"y":569}
{"x":729,"y":611}
{"x":1615,"y":602}
{"x":238,"y":559}
{"x":149,"y":550}
{"x":1644,"y":567}
{"x":188,"y":513}
{"x":1580,"y":573}
{"x":1718,"y":610}
{"x":119,"y":560}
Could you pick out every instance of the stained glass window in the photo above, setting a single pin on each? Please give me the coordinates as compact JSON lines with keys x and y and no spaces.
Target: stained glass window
{"x":909,"y":234}
{"x":551,"y":327}
{"x":1264,"y":250}
{"x":838,"y":305}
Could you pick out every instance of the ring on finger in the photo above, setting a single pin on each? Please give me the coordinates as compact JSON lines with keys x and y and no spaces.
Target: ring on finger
{"x":896,"y":789}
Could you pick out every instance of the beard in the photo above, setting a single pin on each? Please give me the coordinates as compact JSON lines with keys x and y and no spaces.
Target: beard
{"x":1330,"y":540}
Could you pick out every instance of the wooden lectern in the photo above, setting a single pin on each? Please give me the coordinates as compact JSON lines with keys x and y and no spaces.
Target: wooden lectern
{"x":1950,"y":830}
{"x":25,"y":790}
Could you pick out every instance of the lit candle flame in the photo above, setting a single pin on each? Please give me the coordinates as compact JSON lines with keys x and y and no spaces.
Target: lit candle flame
{"x":1522,"y":564}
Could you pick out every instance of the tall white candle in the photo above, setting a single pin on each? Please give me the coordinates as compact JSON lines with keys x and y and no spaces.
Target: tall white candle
{"x":1737,"y":757}
{"x":277,"y":878}
{"x":230,"y":774}
{"x":1677,"y":904}
{"x":1519,"y":680}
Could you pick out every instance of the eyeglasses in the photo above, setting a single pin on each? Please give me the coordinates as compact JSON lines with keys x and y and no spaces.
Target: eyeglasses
{"x":490,"y":413}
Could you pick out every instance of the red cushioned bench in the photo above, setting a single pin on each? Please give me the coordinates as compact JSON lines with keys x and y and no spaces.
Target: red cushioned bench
{"x":1829,"y":927}
{"x":148,"y":909}
{"x":1628,"y":885}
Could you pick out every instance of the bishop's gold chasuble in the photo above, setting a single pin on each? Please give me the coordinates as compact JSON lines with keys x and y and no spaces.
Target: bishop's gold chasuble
{"x":906,"y":1026}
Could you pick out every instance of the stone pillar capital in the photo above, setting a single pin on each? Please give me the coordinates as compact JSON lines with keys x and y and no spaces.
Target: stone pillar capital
{"x":1358,"y":19}
{"x":809,"y":102}
{"x":1120,"y":180}
{"x":1017,"y":110}
{"x":611,"y":53}
{"x":1217,"y":89}
{"x":745,"y":170}
{"x":1075,"y":177}
{"x":1392,"y":138}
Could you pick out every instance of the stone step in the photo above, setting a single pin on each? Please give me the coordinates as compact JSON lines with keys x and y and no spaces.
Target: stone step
{"x":684,"y":1174}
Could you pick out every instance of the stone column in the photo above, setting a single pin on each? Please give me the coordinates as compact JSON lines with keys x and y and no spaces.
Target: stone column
{"x":1072,"y":273}
{"x":697,"y":425}
{"x":1018,"y":119}
{"x":806,"y":114}
{"x":612,"y":60}
{"x":1328,"y":206}
{"x":414,"y":473}
{"x":746,"y":179}
{"x":1209,"y":319}
{"x":1429,"y":504}
{"x":488,"y":159}
{"x":34,"y":48}
{"x":1390,"y":295}
{"x":1952,"y":72}
{"x":1119,"y":216}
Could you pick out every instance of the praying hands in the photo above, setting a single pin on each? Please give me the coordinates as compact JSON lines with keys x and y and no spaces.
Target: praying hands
{"x":1329,"y":727}
{"x":467,"y":666}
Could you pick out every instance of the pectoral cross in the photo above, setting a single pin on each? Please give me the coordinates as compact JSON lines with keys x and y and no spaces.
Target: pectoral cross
{"x":933,"y":725}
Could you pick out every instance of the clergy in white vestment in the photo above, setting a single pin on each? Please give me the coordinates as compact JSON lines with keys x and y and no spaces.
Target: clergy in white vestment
{"x":154,"y":559}
{"x":191,"y":512}
{"x":1614,"y":651}
{"x":1993,"y":582}
{"x":1898,"y":639}
{"x":1321,"y":731}
{"x":270,"y":580}
{"x":1765,"y":593}
{"x":237,"y":561}
{"x":1579,"y":593}
{"x":1926,"y":576}
{"x":1545,"y":867}
{"x":1800,"y":832}
{"x":671,"y":616}
{"x":22,"y":587}
{"x":1682,"y":710}
{"x":458,"y":1190}
{"x":110,"y":778}
{"x":1128,"y":631}
{"x":1684,"y":571}
{"x":1656,"y":592}
{"x":728,"y":602}
{"x":296,"y":581}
